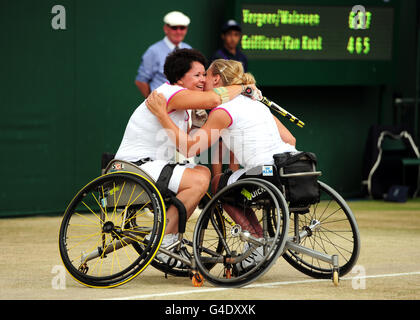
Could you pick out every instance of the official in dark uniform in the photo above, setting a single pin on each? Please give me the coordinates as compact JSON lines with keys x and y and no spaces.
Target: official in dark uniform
{"x":231,"y":36}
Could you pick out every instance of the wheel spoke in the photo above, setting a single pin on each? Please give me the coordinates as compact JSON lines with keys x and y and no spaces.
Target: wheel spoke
{"x":334,"y":232}
{"x":117,"y":251}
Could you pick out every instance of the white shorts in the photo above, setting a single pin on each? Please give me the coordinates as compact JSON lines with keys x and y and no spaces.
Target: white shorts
{"x":154,"y":168}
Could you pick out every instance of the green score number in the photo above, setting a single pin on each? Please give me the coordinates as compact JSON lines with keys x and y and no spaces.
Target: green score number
{"x":359,"y":20}
{"x":358,"y":45}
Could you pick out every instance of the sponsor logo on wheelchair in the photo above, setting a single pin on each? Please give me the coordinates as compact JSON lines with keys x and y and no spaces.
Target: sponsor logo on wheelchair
{"x":116,"y":166}
{"x":267,"y":171}
{"x":250,"y":196}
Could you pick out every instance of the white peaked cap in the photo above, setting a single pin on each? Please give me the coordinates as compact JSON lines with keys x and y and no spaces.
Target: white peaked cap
{"x":176,"y":18}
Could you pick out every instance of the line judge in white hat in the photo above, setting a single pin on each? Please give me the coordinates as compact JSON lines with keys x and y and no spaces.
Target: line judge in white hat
{"x":150,"y":73}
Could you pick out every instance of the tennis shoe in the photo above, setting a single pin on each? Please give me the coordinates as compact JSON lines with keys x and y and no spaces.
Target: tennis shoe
{"x":168,"y":240}
{"x":252,"y":260}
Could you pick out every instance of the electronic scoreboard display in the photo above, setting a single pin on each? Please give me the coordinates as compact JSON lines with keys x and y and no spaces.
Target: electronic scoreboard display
{"x":317,"y":32}
{"x":318,"y":43}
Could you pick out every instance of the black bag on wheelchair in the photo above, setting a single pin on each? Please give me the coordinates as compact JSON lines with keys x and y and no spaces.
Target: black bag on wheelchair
{"x":298,"y":177}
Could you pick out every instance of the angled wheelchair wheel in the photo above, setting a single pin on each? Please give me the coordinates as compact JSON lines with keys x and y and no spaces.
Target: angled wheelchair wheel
{"x":112,"y":229}
{"x":187,"y":242}
{"x":220,"y":245}
{"x":329,"y":228}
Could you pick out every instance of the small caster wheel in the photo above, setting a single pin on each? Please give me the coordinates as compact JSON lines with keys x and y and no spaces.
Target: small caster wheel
{"x":335,"y":278}
{"x":197,"y":280}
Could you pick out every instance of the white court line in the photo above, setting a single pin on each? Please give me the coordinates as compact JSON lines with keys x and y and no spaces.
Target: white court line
{"x":270,"y":284}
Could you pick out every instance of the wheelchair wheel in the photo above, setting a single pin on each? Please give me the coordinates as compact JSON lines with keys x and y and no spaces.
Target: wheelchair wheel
{"x":332,"y":230}
{"x":187,"y":241}
{"x":112,"y":229}
{"x":220,"y":244}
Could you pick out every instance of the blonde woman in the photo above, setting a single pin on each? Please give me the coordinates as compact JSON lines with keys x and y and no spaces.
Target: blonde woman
{"x":252,"y":133}
{"x":245,"y":125}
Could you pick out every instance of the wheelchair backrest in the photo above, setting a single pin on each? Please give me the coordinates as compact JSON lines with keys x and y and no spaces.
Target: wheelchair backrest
{"x":298,"y":175}
{"x":294,"y":174}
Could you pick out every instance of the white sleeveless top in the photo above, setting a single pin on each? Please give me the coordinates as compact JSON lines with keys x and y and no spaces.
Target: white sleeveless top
{"x":144,"y":136}
{"x":252,"y":135}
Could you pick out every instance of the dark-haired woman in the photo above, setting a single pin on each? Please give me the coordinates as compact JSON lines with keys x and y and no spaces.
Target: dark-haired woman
{"x":144,"y":137}
{"x":247,"y":126}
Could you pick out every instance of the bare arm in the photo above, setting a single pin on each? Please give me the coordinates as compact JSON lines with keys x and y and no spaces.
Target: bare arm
{"x":285,"y":134}
{"x":200,"y":140}
{"x":144,"y":88}
{"x":189,"y":99}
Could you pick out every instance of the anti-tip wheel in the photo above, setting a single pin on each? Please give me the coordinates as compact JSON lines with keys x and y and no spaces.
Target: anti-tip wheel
{"x":335,"y":278}
{"x":197,"y":280}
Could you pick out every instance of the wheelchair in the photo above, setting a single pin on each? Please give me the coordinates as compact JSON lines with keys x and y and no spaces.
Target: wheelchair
{"x":318,"y":237}
{"x":113,"y":228}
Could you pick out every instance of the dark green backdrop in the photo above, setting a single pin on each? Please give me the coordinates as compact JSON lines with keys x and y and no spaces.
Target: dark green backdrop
{"x":66,"y":95}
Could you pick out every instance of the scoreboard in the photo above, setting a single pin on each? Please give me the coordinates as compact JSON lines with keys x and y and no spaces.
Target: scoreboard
{"x":321,"y":42}
{"x":317,"y":32}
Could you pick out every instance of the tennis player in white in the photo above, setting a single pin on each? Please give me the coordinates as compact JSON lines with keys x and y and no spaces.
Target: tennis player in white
{"x":245,"y":125}
{"x":146,"y":143}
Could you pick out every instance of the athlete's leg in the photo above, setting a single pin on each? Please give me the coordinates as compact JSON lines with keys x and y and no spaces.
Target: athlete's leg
{"x":247,"y":220}
{"x":193,"y":186}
